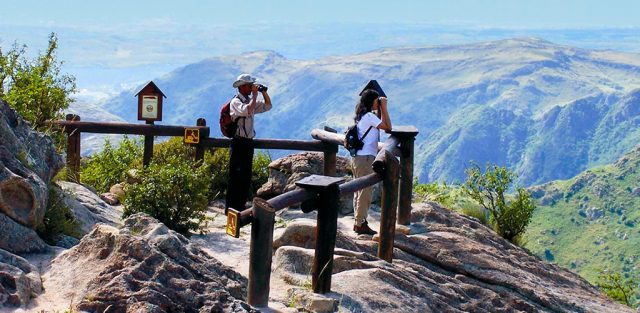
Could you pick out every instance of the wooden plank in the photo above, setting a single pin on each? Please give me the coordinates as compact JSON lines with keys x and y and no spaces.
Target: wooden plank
{"x":408,"y":130}
{"x":319,"y":181}
{"x":200,"y":147}
{"x":330,"y":160}
{"x":326,"y":229}
{"x":389,"y":145}
{"x":128,"y":128}
{"x":148,"y":148}
{"x":261,"y":251}
{"x":73,"y":150}
{"x":389,"y":205}
{"x":406,"y":181}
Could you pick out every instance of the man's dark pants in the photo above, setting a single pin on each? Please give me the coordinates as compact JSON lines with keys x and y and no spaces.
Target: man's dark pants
{"x":240,"y":163}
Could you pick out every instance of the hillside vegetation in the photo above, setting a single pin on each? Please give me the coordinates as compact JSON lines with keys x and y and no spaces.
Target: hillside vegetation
{"x":591,"y":222}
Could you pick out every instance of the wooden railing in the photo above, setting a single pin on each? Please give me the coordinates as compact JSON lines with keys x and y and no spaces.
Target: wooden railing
{"x":322,"y":193}
{"x":319,"y":193}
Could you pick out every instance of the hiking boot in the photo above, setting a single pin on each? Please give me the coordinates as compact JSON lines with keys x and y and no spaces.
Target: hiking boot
{"x":364,"y":229}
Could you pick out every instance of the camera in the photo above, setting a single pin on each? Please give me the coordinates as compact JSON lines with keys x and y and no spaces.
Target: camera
{"x":262,"y":88}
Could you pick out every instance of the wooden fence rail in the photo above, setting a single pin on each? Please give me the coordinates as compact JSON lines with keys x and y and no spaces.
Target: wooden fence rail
{"x":322,"y":196}
{"x":320,"y":193}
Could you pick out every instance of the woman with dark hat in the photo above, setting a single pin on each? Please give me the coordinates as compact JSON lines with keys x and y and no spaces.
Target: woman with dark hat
{"x":369,"y":125}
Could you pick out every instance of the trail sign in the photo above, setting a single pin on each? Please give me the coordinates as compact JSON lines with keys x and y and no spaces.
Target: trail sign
{"x":191,"y":135}
{"x":232,"y":223}
{"x":150,"y":103}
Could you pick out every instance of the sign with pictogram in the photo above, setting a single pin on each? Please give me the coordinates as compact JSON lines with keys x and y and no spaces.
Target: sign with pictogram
{"x":191,"y":135}
{"x":232,"y":223}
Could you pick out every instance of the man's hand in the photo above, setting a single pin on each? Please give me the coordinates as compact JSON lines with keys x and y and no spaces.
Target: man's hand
{"x":254,"y":91}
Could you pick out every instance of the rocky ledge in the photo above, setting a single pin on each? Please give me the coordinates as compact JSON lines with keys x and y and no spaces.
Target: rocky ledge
{"x":454,"y":264}
{"x":145,"y":267}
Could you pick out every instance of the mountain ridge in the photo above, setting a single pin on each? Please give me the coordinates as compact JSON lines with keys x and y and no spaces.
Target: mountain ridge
{"x":518,"y":82}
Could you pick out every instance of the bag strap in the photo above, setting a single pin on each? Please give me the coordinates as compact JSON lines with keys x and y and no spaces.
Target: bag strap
{"x":366,"y":133}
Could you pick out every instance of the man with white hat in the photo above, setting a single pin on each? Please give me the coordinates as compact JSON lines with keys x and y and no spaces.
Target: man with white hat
{"x":243,"y":107}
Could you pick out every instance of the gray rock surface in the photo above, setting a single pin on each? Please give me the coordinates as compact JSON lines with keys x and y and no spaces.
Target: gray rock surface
{"x":286,"y":171}
{"x":457,"y":265}
{"x":19,"y":281}
{"x":28,"y":161}
{"x":19,"y":239}
{"x":88,"y":208}
{"x":145,"y":267}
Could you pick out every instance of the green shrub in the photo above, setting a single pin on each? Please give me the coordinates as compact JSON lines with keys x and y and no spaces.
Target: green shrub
{"x":109,"y":166}
{"x":174,"y":192}
{"x":35,"y":88}
{"x":509,"y":219}
{"x":164,"y":151}
{"x":260,"y":170}
{"x":433,"y":192}
{"x":218,"y":161}
{"x":617,"y":288}
{"x":58,"y":220}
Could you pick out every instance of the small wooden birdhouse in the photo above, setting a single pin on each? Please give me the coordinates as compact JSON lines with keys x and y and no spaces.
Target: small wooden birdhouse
{"x":150,"y":103}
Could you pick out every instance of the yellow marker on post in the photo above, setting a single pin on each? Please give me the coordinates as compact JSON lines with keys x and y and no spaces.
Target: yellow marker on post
{"x":232,"y":223}
{"x":191,"y":135}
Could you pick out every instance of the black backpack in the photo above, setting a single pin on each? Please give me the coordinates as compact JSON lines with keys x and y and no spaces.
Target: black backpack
{"x":351,"y":140}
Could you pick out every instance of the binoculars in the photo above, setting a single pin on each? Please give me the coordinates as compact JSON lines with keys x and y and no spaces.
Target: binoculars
{"x":262,"y":87}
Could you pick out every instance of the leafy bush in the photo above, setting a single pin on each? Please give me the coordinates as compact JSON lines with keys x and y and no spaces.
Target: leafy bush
{"x":259,"y":171}
{"x":58,"y":220}
{"x":218,"y":161}
{"x":618,"y":288}
{"x":509,"y":219}
{"x":173,"y":192}
{"x":433,"y":192}
{"x":35,"y":88}
{"x":109,"y":166}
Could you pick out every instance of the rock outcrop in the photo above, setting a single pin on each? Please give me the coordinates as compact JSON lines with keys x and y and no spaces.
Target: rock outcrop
{"x":28,"y":161}
{"x":19,"y":280}
{"x":456,"y":265}
{"x":88,"y":208}
{"x":286,"y":171}
{"x":145,"y":267}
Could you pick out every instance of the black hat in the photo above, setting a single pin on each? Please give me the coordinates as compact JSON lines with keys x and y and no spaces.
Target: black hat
{"x":373,"y":84}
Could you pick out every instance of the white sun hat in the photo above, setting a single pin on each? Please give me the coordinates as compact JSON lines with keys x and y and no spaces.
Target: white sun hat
{"x":244,"y":79}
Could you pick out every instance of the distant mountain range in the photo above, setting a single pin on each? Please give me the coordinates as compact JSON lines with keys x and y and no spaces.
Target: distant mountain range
{"x":546,"y":111}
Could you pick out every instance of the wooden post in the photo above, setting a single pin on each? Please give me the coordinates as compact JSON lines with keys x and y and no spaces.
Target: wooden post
{"x":261,"y":252}
{"x":148,"y":148}
{"x":200,"y":145}
{"x":407,"y":135}
{"x":73,"y":150}
{"x":326,"y":229}
{"x":406,"y":181}
{"x":389,"y":205}
{"x":330,"y":161}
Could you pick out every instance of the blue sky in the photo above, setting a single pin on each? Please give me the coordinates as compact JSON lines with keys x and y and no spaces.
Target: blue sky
{"x":116,"y":44}
{"x":496,"y":13}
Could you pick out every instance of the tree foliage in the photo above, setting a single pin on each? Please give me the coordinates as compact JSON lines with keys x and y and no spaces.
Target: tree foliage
{"x":510,"y":218}
{"x":109,"y":166}
{"x":175,"y":193}
{"x":36,"y":88}
{"x":618,"y":288}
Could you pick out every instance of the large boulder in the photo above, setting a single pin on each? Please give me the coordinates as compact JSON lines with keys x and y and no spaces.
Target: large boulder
{"x":144,"y":267}
{"x":457,"y":265}
{"x":28,"y":161}
{"x":19,"y":281}
{"x":89,"y":208}
{"x":19,"y":239}
{"x":286,"y":171}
